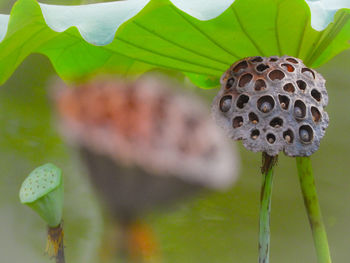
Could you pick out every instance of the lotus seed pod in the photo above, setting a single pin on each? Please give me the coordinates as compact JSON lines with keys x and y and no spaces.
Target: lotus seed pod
{"x":148,"y":124}
{"x":145,"y":143}
{"x":273,"y":104}
{"x":42,"y":190}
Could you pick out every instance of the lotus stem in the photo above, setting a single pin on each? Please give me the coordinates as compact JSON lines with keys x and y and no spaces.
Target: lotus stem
{"x":265,"y":207}
{"x":308,"y":188}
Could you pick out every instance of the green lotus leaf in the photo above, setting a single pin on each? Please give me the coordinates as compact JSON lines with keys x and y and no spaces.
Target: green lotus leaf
{"x":201,"y":40}
{"x":4,"y":20}
{"x":323,"y":11}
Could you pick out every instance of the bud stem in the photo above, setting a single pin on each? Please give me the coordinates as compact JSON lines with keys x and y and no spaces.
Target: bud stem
{"x":307,"y":183}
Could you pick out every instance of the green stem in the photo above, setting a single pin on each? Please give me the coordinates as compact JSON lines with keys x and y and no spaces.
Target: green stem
{"x":312,"y":206}
{"x":265,"y":208}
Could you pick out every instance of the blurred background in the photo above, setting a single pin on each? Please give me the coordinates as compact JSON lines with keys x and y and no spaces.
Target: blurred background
{"x":211,"y":226}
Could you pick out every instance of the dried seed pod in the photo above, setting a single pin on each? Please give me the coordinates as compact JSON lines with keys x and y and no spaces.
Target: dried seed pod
{"x":283,"y":106}
{"x":147,"y":124}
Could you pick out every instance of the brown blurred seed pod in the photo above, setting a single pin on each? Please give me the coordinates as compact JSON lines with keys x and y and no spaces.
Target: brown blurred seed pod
{"x":146,"y":135}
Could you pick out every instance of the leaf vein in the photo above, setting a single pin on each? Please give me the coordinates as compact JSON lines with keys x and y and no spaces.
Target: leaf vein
{"x":179,"y":45}
{"x":206,"y":35}
{"x":324,"y":42}
{"x":302,"y":35}
{"x":150,"y":62}
{"x":246,"y":33}
{"x":167,"y":56}
{"x":276,"y":30}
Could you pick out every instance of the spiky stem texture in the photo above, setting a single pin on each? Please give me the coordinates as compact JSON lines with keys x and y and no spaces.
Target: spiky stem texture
{"x":60,"y":255}
{"x":55,"y":244}
{"x":307,"y":183}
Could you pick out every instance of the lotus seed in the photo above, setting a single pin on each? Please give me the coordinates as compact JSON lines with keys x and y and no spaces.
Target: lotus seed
{"x":265,"y":107}
{"x":288,"y":138}
{"x":230,"y":83}
{"x":226,"y":104}
{"x":298,"y":112}
{"x":304,"y":135}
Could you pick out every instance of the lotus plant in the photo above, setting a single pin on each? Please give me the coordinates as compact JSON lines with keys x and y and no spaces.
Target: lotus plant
{"x":203,"y":41}
{"x":42,"y":191}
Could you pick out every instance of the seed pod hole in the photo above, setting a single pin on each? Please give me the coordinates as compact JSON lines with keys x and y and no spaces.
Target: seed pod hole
{"x":289,"y":87}
{"x":253,"y":118}
{"x":237,"y":122}
{"x":284,"y":102}
{"x":254,"y":134}
{"x":276,"y":122}
{"x":245,"y":79}
{"x":288,"y":136}
{"x":265,"y":104}
{"x":273,"y":59}
{"x":257,"y":59}
{"x":302,"y":85}
{"x":306,"y":133}
{"x":260,"y":85}
{"x":308,"y":72}
{"x":276,"y":75}
{"x":316,"y":115}
{"x":292,"y":60}
{"x":316,"y":95}
{"x":225,"y":103}
{"x":241,"y":65}
{"x":242,"y":101}
{"x":230,"y":83}
{"x":271,"y":138}
{"x":299,"y":109}
{"x":288,"y":67}
{"x":262,"y":67}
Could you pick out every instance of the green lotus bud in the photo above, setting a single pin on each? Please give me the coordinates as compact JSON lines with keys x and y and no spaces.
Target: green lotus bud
{"x":42,"y":191}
